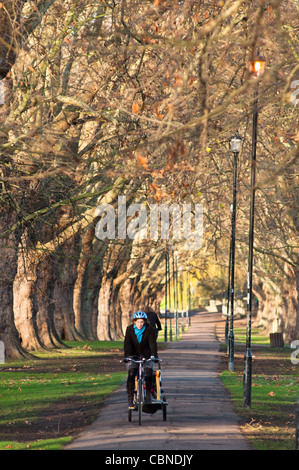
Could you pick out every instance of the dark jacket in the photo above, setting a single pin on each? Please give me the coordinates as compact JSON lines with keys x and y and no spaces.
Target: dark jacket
{"x":153,"y":318}
{"x":147,"y":347}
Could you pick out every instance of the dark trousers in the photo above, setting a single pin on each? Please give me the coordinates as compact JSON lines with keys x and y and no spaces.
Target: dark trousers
{"x":132,"y":371}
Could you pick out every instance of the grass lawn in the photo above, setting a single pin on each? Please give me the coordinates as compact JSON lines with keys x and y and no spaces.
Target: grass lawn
{"x":48,"y":400}
{"x":45,"y":402}
{"x":270,"y":422}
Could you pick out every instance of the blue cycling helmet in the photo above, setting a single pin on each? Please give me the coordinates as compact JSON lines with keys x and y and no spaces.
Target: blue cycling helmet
{"x":140,"y":314}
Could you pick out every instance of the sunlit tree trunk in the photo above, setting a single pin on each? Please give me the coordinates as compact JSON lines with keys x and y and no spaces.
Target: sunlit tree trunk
{"x":66,"y":271}
{"x":23,"y":300}
{"x":8,"y":269}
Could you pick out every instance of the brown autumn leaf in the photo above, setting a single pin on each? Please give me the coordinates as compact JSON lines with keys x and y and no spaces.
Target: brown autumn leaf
{"x":135,"y":108}
{"x":158,"y":192}
{"x":159,"y":115}
{"x":142,"y":161}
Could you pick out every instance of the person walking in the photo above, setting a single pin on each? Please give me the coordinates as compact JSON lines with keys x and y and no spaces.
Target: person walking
{"x":153,"y":319}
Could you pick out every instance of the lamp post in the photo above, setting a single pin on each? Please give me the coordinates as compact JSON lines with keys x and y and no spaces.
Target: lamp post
{"x":169,"y":297}
{"x":175,"y":282}
{"x":166,"y":292}
{"x":256,"y":67}
{"x":189,"y":298}
{"x":235,"y":147}
{"x":228,"y":295}
{"x":182,"y":298}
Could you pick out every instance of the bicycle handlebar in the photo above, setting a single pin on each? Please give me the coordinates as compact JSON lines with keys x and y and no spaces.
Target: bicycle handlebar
{"x":140,"y":361}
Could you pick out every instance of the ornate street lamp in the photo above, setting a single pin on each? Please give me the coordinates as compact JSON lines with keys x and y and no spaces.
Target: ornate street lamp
{"x":236,"y":143}
{"x":256,"y":67}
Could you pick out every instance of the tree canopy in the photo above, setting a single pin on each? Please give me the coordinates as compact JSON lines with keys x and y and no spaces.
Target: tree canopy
{"x":109,"y":98}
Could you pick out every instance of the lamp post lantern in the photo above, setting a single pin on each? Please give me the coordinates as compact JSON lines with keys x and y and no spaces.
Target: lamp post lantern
{"x":256,"y":67}
{"x":236,"y":143}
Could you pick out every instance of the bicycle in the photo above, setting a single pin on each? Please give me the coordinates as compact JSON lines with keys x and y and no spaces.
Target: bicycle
{"x":140,"y":391}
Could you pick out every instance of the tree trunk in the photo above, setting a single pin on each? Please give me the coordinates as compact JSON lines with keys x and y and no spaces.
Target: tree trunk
{"x":125,"y":304}
{"x":66,"y":272}
{"x":116,"y":332}
{"x":83,"y":301}
{"x":8,"y":332}
{"x":91,"y":284}
{"x":8,"y":268}
{"x":44,"y":305}
{"x":290,"y":317}
{"x":279,"y":311}
{"x":23,"y":300}
{"x":103,"y":326}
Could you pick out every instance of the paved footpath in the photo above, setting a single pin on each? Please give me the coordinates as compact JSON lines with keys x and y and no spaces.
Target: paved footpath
{"x":199,"y":411}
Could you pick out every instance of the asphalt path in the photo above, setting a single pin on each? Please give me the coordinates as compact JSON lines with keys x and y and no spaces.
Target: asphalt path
{"x":199,"y":412}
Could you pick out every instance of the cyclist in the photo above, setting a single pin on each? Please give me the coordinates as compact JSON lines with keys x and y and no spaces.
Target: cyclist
{"x":140,"y":341}
{"x":153,"y":319}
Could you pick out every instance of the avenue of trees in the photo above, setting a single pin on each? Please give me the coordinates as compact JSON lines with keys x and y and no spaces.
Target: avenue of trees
{"x":108,"y":98}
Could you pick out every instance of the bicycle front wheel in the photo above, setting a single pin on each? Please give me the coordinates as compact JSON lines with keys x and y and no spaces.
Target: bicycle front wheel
{"x":140,"y":401}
